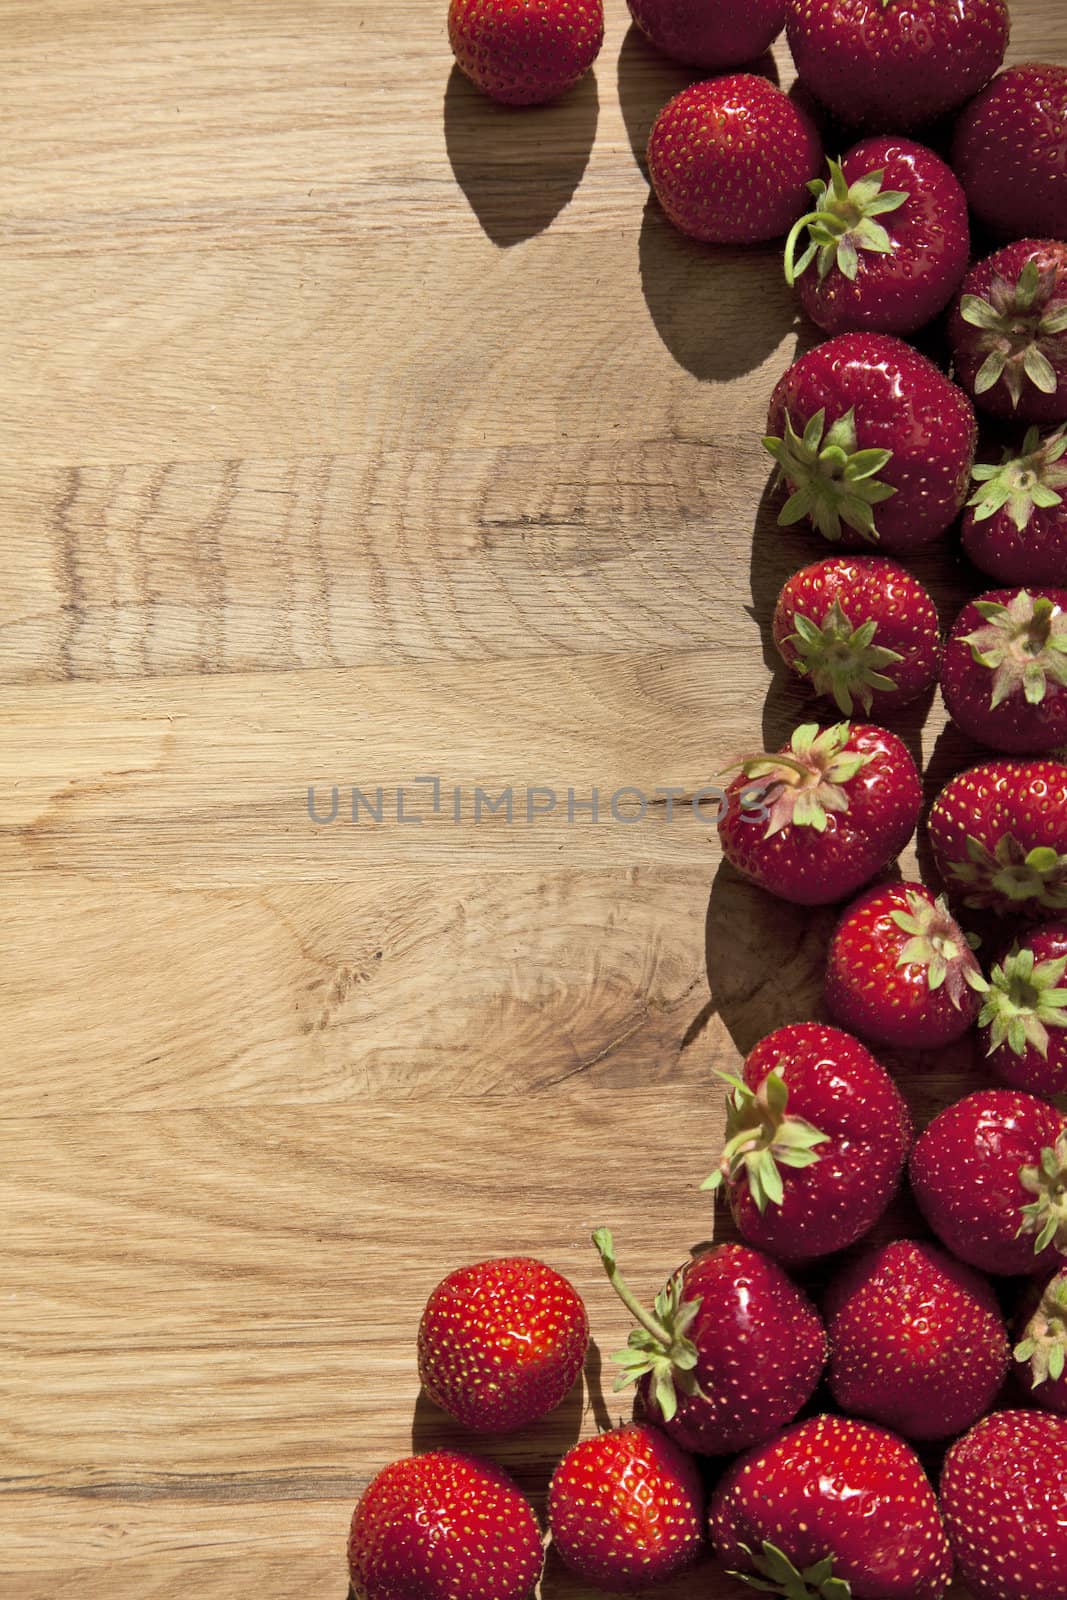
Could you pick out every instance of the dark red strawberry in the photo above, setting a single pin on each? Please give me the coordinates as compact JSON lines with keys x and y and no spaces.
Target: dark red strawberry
{"x":626,"y":1508}
{"x":1004,"y":676}
{"x":825,"y":814}
{"x":990,"y":1176}
{"x":729,"y":159}
{"x":1008,"y":150}
{"x":1041,"y":1353}
{"x":887,"y":243}
{"x":1004,"y":1498}
{"x":816,"y":1137}
{"x":874,"y":443}
{"x":1008,"y":331}
{"x":527,"y":51}
{"x":917,"y":1341}
{"x":1015,"y":525}
{"x":861,"y":630}
{"x":999,"y":835}
{"x":832,"y":1507}
{"x":710,"y":33}
{"x":1024,"y":1018}
{"x":730,"y":1352}
{"x":438,"y":1525}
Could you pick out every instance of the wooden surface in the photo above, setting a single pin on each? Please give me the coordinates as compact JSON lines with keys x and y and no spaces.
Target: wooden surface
{"x":354,"y":430}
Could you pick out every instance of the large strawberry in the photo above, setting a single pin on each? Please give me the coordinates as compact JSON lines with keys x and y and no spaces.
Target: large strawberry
{"x":1008,"y":331}
{"x":1015,"y":525}
{"x":874,"y":443}
{"x":1008,"y":151}
{"x":1041,"y":1351}
{"x":710,"y":33}
{"x":1004,"y":676}
{"x":1024,"y":1017}
{"x":730,"y":1352}
{"x":527,"y":51}
{"x":999,"y":836}
{"x":816,"y":1137}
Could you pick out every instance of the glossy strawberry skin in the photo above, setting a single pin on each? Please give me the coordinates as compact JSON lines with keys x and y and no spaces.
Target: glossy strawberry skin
{"x":984,"y":825}
{"x":1036,"y":552}
{"x":1008,"y":151}
{"x":969,"y":352}
{"x":730,"y":159}
{"x":1034,"y":1072}
{"x":714,"y":34}
{"x":526,"y":51}
{"x":1014,"y":726}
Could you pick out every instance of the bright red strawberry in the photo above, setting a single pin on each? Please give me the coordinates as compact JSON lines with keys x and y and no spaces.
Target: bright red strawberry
{"x":999,"y":836}
{"x":1015,"y":525}
{"x":816,"y":1137}
{"x":1008,"y":150}
{"x":1041,"y":1351}
{"x":730,"y":1352}
{"x":438,"y":1525}
{"x":729,"y":159}
{"x":1024,"y":1018}
{"x":710,"y":33}
{"x":887,"y":243}
{"x":990,"y":1176}
{"x":527,"y":51}
{"x":825,"y":814}
{"x":1004,"y":1498}
{"x":1004,"y":676}
{"x":865,"y":425}
{"x":1008,"y":331}
{"x":917,"y":1341}
{"x":832,"y":1507}
{"x":501,"y":1343}
{"x":861,"y":630}
{"x":626,"y":1508}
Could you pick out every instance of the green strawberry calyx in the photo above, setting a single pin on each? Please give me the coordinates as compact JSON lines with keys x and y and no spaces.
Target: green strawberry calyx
{"x":805,"y":782}
{"x":775,"y":1574}
{"x":1023,"y":1002}
{"x":1043,"y":1346}
{"x":660,"y":1345}
{"x":1046,"y":1216}
{"x":842,"y":224}
{"x":1010,"y":878}
{"x":1022,"y":328}
{"x":1032,"y":478}
{"x":937,"y":942}
{"x":1023,"y":644}
{"x":842,"y":661}
{"x":832,"y":482}
{"x":761,"y":1138}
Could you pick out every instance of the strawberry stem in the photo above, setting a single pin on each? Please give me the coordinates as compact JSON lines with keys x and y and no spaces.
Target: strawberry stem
{"x":659,"y":1347}
{"x":1046,"y":1216}
{"x":761,"y":1138}
{"x":1043,"y":1347}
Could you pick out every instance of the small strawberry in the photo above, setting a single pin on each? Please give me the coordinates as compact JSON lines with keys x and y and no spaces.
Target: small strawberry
{"x":1008,"y":331}
{"x":990,"y":1176}
{"x":527,"y":51}
{"x":1024,"y":1018}
{"x":1015,"y":525}
{"x":626,"y":1508}
{"x":730,"y":1352}
{"x":999,"y":836}
{"x":817,"y":1134}
{"x":864,"y":424}
{"x":713,"y":34}
{"x":1004,"y":676}
{"x":729,"y":159}
{"x":829,"y":1508}
{"x":1008,"y":150}
{"x":1041,"y":1353}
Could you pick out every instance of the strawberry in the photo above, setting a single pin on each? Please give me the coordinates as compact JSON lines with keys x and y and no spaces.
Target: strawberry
{"x":1008,"y":331}
{"x":887,"y":242}
{"x":862,"y":630}
{"x":990,"y":1176}
{"x":1004,"y":677}
{"x":710,"y":33}
{"x":527,"y":51}
{"x":1008,"y":151}
{"x":832,"y":1507}
{"x":917,"y":1341}
{"x":816,"y":1137}
{"x":438,"y":1525}
{"x":731,"y":1351}
{"x":626,"y":1508}
{"x":1024,"y":1018}
{"x":999,"y":836}
{"x":829,"y":811}
{"x":1015,"y":525}
{"x":865,"y":424}
{"x":729,"y":159}
{"x":501,"y":1343}
{"x":1041,"y":1351}
{"x":1004,"y":1498}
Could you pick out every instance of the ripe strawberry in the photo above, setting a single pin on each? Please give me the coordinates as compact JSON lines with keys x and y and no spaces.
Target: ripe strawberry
{"x":999,"y":836}
{"x":730,"y":1353}
{"x":729,"y":159}
{"x":710,"y":33}
{"x":825,"y":814}
{"x":1024,"y":1018}
{"x":1008,"y":331}
{"x":1004,"y":1498}
{"x":1041,"y":1353}
{"x":1004,"y":677}
{"x":817,"y":1133}
{"x":1015,"y":525}
{"x":990,"y":1176}
{"x":832,"y":1507}
{"x":527,"y":51}
{"x":1008,"y":151}
{"x":434,"y":1526}
{"x":917,"y":1341}
{"x":887,"y":242}
{"x":501,"y":1343}
{"x":864,"y":422}
{"x":862,"y":630}
{"x":626,"y":1508}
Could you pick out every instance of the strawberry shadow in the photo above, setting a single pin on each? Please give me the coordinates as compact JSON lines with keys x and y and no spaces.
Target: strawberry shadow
{"x":700,"y":1582}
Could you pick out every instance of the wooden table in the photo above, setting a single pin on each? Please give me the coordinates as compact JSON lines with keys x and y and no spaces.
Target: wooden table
{"x":356,"y":432}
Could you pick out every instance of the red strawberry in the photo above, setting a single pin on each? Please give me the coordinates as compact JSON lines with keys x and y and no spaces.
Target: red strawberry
{"x":729,"y":159}
{"x":887,"y":242}
{"x":817,"y":1133}
{"x":999,"y":836}
{"x":917,"y":1341}
{"x":527,"y":51}
{"x":1015,"y":525}
{"x":864,"y":422}
{"x":825,"y":814}
{"x":626,"y":1508}
{"x":1008,"y":151}
{"x":1004,"y":676}
{"x":832,"y":1507}
{"x":1008,"y":331}
{"x":1004,"y":1497}
{"x":731,"y":1351}
{"x":862,"y":630}
{"x":501,"y":1343}
{"x":990,"y":1176}
{"x":435,"y":1526}
{"x":1024,"y":1018}
{"x":1041,"y":1352}
{"x":710,"y":33}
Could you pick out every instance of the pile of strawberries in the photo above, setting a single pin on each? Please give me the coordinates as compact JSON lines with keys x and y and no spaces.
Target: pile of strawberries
{"x":876,"y":446}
